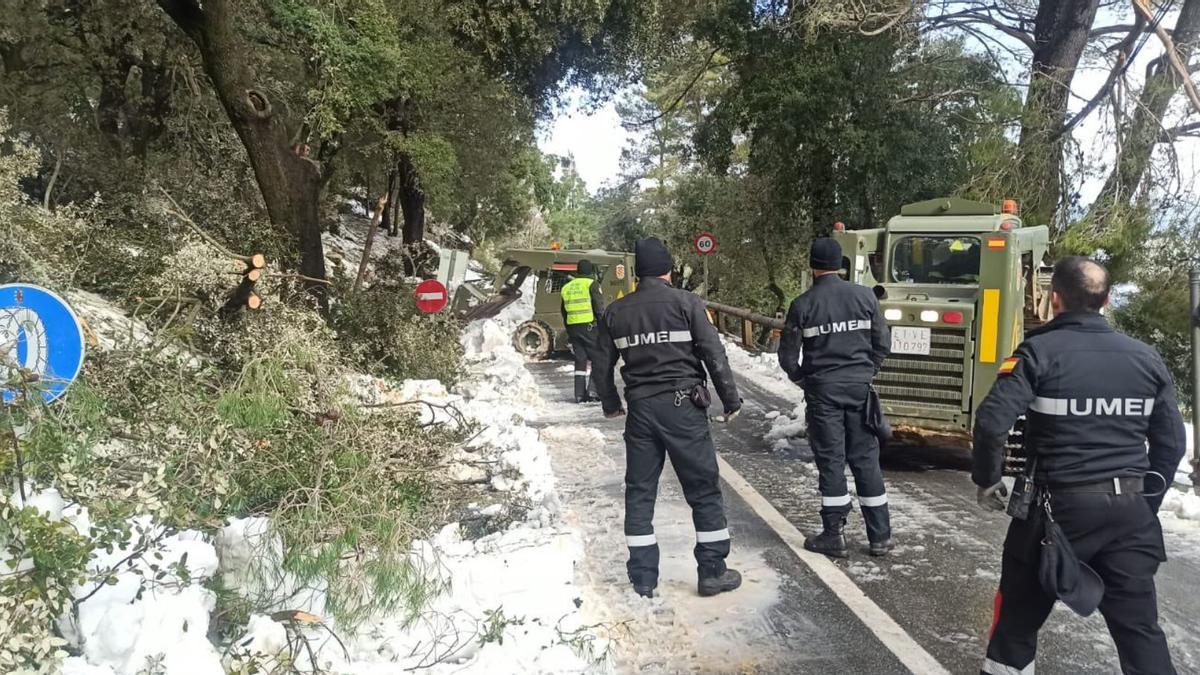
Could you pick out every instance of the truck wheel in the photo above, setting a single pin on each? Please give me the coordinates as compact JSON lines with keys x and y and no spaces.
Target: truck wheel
{"x":532,"y":339}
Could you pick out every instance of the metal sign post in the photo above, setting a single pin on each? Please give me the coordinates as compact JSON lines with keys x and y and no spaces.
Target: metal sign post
{"x":1195,"y":307}
{"x":705,"y":243}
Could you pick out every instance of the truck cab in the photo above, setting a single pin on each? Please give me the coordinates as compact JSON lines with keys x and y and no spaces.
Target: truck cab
{"x":959,"y":282}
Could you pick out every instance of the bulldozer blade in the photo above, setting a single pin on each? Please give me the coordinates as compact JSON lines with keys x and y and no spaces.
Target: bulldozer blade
{"x":490,"y":307}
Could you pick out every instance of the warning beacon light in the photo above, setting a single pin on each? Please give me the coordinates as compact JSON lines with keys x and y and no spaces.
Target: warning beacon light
{"x":555,"y":246}
{"x":1010,"y":207}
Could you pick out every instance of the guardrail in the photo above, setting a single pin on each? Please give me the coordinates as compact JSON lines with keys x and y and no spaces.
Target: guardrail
{"x":755,"y":331}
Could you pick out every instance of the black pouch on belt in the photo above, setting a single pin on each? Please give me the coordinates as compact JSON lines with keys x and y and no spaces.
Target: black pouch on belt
{"x":700,"y":397}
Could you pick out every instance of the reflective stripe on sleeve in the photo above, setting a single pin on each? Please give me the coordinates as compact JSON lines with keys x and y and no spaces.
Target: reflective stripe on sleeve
{"x":713,"y":536}
{"x":993,"y":668}
{"x":843,"y":500}
{"x":1049,"y":406}
{"x":653,"y":338}
{"x":581,"y":373}
{"x":636,"y":540}
{"x":881,"y":500}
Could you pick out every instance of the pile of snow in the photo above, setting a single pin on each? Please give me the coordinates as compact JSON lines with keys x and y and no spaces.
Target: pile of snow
{"x":762,"y":369}
{"x":343,"y":251}
{"x":786,"y":427}
{"x":1184,"y":473}
{"x":511,"y":603}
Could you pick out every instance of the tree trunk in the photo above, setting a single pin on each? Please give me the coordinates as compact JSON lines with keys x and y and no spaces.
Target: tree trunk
{"x":387,"y":222}
{"x":412,"y":201}
{"x":289,"y":182}
{"x":1145,"y":131}
{"x":1060,"y":35}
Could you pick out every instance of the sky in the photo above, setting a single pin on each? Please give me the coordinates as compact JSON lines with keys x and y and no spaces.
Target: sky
{"x":595,"y":138}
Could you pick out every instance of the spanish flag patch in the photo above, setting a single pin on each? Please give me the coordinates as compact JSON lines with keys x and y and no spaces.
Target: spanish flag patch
{"x":1009,"y":364}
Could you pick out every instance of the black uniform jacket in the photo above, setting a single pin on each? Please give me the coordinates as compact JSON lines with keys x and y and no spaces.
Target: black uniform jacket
{"x":1092,"y":399}
{"x":664,"y":336}
{"x":844,"y":335}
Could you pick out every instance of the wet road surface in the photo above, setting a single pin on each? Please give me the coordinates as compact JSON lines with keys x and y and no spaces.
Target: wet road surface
{"x":938,"y":584}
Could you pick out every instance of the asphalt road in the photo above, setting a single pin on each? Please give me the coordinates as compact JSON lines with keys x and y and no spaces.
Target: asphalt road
{"x":938,"y":584}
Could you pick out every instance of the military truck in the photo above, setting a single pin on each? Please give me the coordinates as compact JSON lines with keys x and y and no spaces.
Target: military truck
{"x":545,"y":333}
{"x":959,"y":282}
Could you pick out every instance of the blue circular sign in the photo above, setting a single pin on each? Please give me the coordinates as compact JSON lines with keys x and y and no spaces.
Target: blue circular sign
{"x":39,"y":335}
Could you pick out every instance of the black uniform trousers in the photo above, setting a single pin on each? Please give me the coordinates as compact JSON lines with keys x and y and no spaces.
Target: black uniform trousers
{"x":1120,"y":537}
{"x":658,"y":426}
{"x":838,"y":434}
{"x":585,"y":344}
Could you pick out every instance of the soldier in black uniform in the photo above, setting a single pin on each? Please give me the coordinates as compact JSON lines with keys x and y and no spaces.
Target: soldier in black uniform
{"x":582,"y":306}
{"x":1093,"y":398}
{"x":664,"y":336}
{"x":845,"y":341}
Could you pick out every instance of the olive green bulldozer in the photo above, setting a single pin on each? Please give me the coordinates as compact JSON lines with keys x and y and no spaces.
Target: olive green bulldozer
{"x":544,"y":333}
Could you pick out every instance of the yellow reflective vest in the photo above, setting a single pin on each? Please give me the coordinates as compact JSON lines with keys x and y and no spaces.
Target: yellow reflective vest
{"x":577,"y":301}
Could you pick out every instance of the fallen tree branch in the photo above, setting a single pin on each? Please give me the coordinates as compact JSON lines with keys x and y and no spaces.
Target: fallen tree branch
{"x":366,"y":254}
{"x":256,"y":260}
{"x":1172,"y":55}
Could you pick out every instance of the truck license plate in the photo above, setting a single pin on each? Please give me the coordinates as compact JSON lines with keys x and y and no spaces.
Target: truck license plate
{"x":910,"y":340}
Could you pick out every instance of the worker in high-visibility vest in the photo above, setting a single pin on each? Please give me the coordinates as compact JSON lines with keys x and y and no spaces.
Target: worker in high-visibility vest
{"x":582,"y":307}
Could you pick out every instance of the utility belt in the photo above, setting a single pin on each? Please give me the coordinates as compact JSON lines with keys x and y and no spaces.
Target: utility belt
{"x":1026,"y":493}
{"x":681,"y":389}
{"x":696,"y":392}
{"x":1120,"y":485}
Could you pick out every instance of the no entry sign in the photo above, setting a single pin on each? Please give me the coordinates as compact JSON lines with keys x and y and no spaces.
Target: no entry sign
{"x":705,"y":243}
{"x":431,"y":296}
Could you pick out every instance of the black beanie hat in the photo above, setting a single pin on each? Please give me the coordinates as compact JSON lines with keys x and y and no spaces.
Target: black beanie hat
{"x":826,"y":255}
{"x":653,"y":258}
{"x":584,"y":268}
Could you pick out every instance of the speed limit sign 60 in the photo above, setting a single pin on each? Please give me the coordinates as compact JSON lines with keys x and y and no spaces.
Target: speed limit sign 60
{"x":705,"y":243}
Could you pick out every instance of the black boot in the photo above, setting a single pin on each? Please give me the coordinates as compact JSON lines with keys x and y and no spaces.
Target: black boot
{"x":726,"y":581}
{"x":830,"y":541}
{"x":878,"y":548}
{"x":644,"y":591}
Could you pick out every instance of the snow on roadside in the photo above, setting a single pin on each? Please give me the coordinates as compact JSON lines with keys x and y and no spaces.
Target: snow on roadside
{"x":522,"y":577}
{"x":763,"y":370}
{"x":1181,"y":504}
{"x":1184,"y":473}
{"x":511,"y":599}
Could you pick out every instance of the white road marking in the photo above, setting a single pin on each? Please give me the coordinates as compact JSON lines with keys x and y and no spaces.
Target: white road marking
{"x":900,"y":643}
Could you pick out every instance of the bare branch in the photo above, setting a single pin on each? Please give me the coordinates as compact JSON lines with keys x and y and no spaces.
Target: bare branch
{"x":1172,"y":54}
{"x":678,"y":99}
{"x":979,"y":15}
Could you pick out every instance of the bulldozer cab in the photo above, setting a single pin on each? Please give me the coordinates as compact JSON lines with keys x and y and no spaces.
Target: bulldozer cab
{"x":959,"y":282}
{"x":545,"y":331}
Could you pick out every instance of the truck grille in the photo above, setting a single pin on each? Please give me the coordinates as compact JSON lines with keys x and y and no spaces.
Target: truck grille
{"x":933,"y":381}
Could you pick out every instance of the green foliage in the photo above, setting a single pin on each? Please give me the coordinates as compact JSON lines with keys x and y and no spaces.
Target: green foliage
{"x":495,"y":623}
{"x":381,"y":331}
{"x":356,"y":51}
{"x":193,"y":446}
{"x":1156,"y":312}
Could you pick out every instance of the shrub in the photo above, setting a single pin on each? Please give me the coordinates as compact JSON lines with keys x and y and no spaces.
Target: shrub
{"x":381,"y":331}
